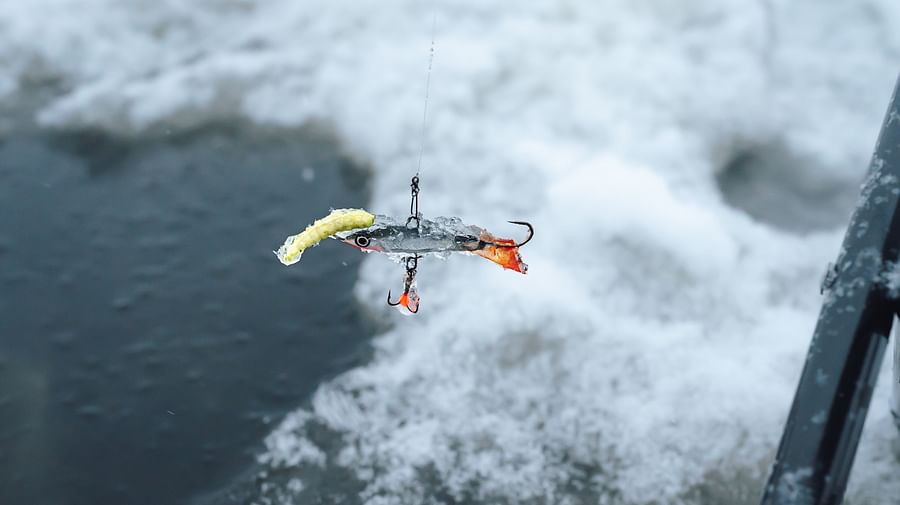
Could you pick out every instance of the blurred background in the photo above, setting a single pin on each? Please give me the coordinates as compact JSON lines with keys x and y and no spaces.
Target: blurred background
{"x":689,"y":168}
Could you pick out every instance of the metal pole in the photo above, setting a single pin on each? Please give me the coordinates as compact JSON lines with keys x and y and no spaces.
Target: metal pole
{"x":822,"y":431}
{"x":895,"y":405}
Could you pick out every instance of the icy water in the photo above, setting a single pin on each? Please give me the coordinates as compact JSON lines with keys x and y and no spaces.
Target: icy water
{"x":149,"y":339}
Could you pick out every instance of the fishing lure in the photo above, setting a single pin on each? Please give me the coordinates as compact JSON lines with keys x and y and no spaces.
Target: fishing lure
{"x":440,"y":236}
{"x":409,"y":242}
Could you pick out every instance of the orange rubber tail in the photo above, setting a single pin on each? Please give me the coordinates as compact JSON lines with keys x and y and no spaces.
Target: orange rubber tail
{"x":502,"y":252}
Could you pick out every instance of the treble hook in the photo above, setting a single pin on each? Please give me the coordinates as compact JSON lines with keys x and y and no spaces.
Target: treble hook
{"x":530,"y":232}
{"x":394,"y":304}
{"x":406,"y":288}
{"x":412,"y":263}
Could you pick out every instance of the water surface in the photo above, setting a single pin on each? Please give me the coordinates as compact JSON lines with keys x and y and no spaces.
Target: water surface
{"x":149,"y":339}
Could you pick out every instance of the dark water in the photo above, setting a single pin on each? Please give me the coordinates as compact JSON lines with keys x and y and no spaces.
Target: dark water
{"x":149,"y":339}
{"x":786,"y":190}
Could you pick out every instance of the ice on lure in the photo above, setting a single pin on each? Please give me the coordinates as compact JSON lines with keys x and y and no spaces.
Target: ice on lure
{"x":440,"y":236}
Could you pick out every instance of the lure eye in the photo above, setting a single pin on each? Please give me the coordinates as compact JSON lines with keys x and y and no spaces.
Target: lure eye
{"x":362,"y":241}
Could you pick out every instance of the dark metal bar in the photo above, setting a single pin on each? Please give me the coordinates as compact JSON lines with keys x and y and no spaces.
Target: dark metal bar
{"x":895,"y":404}
{"x":822,"y":431}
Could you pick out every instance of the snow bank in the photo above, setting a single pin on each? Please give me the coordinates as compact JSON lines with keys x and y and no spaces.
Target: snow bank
{"x":651,"y":354}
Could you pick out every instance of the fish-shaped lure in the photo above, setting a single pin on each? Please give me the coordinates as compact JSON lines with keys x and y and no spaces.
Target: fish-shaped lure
{"x":440,"y":236}
{"x":410,"y":241}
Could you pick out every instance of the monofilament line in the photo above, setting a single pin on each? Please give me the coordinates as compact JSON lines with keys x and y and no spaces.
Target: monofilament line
{"x":427,"y":87}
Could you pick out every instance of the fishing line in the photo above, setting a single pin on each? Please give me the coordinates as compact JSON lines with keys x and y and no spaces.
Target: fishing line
{"x":414,"y":185}
{"x":427,"y":89}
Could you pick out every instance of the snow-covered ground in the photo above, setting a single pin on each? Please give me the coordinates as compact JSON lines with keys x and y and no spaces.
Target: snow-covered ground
{"x":651,"y":353}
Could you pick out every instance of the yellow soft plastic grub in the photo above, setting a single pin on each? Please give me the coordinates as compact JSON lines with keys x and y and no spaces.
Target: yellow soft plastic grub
{"x":339,"y":220}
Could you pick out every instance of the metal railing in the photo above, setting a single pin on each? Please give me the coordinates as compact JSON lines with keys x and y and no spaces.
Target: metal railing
{"x":825,"y":422}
